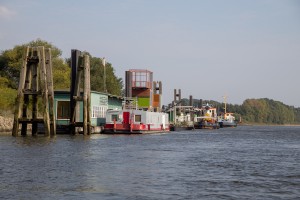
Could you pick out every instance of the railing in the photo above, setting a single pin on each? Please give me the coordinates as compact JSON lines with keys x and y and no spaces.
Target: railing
{"x":141,"y":84}
{"x":130,"y":103}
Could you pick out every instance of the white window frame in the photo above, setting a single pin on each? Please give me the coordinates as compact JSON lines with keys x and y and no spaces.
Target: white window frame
{"x":99,"y":111}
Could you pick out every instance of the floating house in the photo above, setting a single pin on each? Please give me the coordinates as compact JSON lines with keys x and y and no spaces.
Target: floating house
{"x":141,"y":111}
{"x":100,"y":103}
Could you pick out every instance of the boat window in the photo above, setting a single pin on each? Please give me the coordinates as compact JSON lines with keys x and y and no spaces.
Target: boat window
{"x":114,"y":117}
{"x":137,"y":118}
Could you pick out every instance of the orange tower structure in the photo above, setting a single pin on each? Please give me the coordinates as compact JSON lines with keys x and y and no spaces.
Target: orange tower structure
{"x":139,"y":84}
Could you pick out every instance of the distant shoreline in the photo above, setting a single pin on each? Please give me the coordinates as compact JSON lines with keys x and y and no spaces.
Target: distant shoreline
{"x":255,"y":124}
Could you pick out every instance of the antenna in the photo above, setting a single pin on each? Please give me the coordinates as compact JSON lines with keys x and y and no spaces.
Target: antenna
{"x":104,"y":74}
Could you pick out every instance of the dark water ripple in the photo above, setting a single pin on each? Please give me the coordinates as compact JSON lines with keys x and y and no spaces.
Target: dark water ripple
{"x":240,"y":163}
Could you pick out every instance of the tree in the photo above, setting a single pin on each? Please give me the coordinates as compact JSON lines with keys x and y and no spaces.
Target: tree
{"x":268,"y":111}
{"x":297,"y":115}
{"x":7,"y":96}
{"x":113,"y":84}
{"x":11,"y":62}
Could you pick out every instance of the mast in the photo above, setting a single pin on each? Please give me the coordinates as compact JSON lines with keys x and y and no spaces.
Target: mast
{"x":225,"y":98}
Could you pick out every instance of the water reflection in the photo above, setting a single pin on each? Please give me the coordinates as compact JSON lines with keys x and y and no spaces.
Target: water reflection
{"x":34,"y":140}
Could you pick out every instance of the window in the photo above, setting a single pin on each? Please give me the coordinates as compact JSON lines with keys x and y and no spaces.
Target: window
{"x":114,"y":117}
{"x":99,"y":111}
{"x":137,"y":118}
{"x":63,"y":110}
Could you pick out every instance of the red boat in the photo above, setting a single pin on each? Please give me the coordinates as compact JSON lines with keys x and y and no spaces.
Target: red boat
{"x":136,"y":121}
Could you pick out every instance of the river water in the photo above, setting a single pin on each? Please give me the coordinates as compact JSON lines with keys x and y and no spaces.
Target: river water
{"x":247,"y":162}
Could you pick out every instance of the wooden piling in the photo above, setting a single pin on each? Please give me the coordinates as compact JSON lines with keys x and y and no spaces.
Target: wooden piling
{"x":86,"y":96}
{"x":80,"y":70}
{"x":20,"y":95}
{"x":44,"y":90}
{"x":74,"y":65}
{"x":34,"y":81}
{"x":48,"y":62}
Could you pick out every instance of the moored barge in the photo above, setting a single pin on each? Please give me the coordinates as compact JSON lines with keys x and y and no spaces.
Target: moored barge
{"x":129,"y":121}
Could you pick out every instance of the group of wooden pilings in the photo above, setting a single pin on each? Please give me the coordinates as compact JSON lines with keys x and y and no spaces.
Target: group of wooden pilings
{"x":35,"y":85}
{"x":36,"y":93}
{"x":80,"y":63}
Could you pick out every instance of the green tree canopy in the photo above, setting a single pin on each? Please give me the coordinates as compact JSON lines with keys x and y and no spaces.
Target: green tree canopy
{"x":11,"y":62}
{"x":113,"y":84}
{"x":7,"y":96}
{"x":268,"y":111}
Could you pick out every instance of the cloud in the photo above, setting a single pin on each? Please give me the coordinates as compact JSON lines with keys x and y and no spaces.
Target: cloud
{"x":6,"y":13}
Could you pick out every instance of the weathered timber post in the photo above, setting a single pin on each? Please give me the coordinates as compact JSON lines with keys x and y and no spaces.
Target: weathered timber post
{"x":20,"y":96}
{"x":50,"y":91}
{"x":34,"y":59}
{"x":75,"y":80}
{"x":86,"y":97}
{"x":34,"y":81}
{"x":44,"y":90}
{"x":80,"y":67}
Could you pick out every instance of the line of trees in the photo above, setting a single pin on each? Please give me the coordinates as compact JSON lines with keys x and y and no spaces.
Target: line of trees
{"x":263,"y":111}
{"x":11,"y":62}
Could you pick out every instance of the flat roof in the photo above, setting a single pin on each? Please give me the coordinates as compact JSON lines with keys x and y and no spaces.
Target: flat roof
{"x":67,"y":91}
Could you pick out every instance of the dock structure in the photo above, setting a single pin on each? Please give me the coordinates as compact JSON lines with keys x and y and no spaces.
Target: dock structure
{"x":191,"y":104}
{"x":177,"y":100}
{"x":157,"y":94}
{"x":177,"y":96}
{"x":36,"y":83}
{"x":80,"y":80}
{"x":139,"y":85}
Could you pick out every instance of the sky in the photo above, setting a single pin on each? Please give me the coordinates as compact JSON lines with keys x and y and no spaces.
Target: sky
{"x":206,"y":48}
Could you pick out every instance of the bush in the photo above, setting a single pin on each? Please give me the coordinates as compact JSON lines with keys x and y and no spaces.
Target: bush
{"x":7,"y":100}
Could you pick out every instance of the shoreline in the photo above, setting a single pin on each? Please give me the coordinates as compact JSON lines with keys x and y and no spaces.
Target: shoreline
{"x":6,"y":125}
{"x":255,"y":124}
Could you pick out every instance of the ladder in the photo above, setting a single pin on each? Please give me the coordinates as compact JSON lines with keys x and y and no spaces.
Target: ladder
{"x":35,"y":92}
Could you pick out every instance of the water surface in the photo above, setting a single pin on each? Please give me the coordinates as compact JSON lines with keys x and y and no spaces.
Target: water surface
{"x":247,"y":162}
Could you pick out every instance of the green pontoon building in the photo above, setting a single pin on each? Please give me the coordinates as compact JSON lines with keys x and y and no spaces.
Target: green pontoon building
{"x":100,"y":103}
